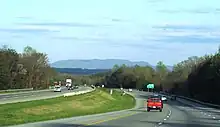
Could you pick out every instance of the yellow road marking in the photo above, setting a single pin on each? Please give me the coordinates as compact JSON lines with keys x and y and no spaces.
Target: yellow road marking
{"x":112,"y":118}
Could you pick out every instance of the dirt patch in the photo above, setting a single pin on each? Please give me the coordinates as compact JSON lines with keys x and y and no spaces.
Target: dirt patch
{"x":44,"y":109}
{"x":107,"y":96}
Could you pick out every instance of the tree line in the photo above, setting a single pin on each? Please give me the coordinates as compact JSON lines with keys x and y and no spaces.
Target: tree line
{"x":196,"y":77}
{"x":29,"y":69}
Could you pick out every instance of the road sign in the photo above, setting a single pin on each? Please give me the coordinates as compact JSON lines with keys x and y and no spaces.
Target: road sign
{"x":150,"y":86}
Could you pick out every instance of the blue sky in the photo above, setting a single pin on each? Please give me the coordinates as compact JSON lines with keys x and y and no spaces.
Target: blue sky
{"x":146,"y":30}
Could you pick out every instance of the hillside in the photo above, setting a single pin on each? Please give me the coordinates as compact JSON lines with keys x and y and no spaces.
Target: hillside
{"x":96,"y":63}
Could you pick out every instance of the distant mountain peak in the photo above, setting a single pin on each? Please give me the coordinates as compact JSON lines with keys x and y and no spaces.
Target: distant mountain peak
{"x":96,"y":63}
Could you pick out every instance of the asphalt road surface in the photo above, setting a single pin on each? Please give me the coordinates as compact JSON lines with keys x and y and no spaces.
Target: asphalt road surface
{"x":35,"y":95}
{"x":178,"y":113}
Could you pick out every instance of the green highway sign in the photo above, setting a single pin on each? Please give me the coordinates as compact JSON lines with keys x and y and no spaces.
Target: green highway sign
{"x":150,"y":86}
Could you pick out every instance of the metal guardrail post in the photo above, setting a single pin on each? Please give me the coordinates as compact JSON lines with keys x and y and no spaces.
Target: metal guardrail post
{"x":200,"y":102}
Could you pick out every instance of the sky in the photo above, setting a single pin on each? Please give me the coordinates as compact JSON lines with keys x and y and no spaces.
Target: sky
{"x":136,"y":30}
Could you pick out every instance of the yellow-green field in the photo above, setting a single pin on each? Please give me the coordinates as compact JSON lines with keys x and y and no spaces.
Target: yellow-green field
{"x":98,"y":101}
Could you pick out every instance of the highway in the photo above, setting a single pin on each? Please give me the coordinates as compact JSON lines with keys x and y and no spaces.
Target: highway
{"x":34,"y":95}
{"x":178,"y":113}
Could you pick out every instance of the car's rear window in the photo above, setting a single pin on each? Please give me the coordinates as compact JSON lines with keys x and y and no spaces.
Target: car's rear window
{"x":154,"y":100}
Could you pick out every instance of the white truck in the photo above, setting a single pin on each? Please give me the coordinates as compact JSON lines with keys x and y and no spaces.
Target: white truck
{"x":69,"y":84}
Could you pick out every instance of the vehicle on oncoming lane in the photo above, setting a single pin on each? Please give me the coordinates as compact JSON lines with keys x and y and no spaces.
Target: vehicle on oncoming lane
{"x":129,"y":90}
{"x":57,"y":88}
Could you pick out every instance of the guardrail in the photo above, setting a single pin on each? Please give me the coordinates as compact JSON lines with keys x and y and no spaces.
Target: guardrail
{"x":12,"y":90}
{"x":78,"y":93}
{"x":200,"y":102}
{"x":194,"y":100}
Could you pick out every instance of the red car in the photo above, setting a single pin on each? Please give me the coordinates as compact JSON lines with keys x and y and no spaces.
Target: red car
{"x":154,"y":104}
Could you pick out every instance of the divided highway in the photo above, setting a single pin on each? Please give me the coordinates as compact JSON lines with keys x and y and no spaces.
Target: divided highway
{"x":35,"y":95}
{"x":178,"y":113}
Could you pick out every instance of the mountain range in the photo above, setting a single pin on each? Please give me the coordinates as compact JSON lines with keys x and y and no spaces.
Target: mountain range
{"x":98,"y":63}
{"x":80,"y":71}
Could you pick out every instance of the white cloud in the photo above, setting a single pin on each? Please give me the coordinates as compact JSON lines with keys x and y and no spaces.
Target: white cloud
{"x":214,"y":34}
{"x":33,"y":27}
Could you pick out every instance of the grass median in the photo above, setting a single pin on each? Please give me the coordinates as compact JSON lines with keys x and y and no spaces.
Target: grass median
{"x":98,"y":101}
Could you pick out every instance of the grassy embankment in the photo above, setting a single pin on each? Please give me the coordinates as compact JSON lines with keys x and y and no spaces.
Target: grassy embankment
{"x":98,"y":101}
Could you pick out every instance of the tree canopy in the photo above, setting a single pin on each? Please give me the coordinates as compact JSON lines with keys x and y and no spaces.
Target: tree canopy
{"x":29,"y":69}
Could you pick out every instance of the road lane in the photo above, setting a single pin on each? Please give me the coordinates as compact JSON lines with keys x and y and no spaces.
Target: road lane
{"x":27,"y":96}
{"x":11,"y":95}
{"x":181,"y":115}
{"x":141,"y":119}
{"x":186,"y":115}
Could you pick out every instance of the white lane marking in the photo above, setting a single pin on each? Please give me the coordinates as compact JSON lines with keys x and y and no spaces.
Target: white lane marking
{"x":213,"y":117}
{"x":170,"y":112}
{"x":219,"y":120}
{"x":209,"y":115}
{"x":168,"y":116}
{"x":165,"y":119}
{"x":160,"y":123}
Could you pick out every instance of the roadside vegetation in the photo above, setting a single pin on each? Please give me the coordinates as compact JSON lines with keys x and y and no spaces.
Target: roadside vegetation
{"x":31,"y":69}
{"x":98,"y":101}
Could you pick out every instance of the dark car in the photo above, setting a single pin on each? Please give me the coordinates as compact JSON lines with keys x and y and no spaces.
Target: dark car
{"x":173,"y":97}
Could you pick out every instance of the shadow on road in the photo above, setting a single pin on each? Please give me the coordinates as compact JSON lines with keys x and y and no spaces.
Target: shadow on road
{"x":143,"y":110}
{"x":191,"y":121}
{"x":199,"y":108}
{"x":143,"y":96}
{"x":76,"y":125}
{"x":185,"y":124}
{"x":170,"y":124}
